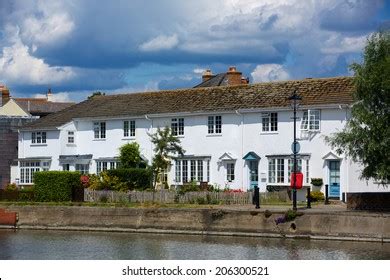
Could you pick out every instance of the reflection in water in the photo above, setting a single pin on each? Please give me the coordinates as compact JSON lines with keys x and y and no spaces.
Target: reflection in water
{"x":29,"y":244}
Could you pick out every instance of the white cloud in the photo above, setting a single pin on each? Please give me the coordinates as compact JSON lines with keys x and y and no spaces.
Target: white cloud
{"x":56,"y":97}
{"x":269,"y":72}
{"x":198,"y":70}
{"x":161,"y":42}
{"x":48,"y":29}
{"x":338,"y":45}
{"x":18,"y":65}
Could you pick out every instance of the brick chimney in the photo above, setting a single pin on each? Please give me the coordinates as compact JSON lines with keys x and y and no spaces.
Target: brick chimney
{"x":233,"y":76}
{"x":4,"y":95}
{"x":207,"y":75}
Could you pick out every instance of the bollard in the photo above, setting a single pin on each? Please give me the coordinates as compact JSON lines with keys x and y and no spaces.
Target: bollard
{"x":326,"y":194}
{"x":256,"y":197}
{"x":308,"y":199}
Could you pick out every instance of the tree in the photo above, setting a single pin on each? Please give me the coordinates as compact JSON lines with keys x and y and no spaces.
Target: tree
{"x":96,"y":93}
{"x":366,"y":136}
{"x":129,"y":155}
{"x":166,"y":146}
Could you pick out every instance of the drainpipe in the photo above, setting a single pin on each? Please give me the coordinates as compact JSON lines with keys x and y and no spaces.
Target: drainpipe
{"x":242,"y":147}
{"x":151,"y":131}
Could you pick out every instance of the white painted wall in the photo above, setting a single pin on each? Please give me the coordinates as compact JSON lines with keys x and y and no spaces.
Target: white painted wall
{"x":241,"y":133}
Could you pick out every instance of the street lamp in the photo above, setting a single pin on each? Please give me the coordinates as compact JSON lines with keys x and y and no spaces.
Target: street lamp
{"x":295,"y":100}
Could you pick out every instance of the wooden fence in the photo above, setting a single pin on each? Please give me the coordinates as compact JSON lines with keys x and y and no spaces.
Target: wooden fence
{"x":166,"y":197}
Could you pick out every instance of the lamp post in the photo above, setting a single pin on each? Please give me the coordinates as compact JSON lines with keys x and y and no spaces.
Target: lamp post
{"x":295,"y":99}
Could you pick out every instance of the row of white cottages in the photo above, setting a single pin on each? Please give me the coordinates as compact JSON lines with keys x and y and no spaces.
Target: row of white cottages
{"x":234,"y":136}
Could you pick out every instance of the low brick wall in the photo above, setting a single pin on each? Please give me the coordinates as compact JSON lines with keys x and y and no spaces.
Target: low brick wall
{"x":7,"y":218}
{"x":336,"y":225}
{"x":369,"y":201}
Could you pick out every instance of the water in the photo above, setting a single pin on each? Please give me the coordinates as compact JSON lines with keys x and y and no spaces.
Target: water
{"x":48,"y":245}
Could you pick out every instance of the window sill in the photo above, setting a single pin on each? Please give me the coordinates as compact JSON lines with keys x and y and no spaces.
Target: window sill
{"x":269,"y":132}
{"x":128,"y":138}
{"x":102,"y":139}
{"x":38,"y":145}
{"x":214,"y":135}
{"x":71,"y":145}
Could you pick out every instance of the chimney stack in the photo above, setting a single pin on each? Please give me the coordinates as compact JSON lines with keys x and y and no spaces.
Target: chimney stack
{"x":233,"y":76}
{"x":207,"y":75}
{"x":4,"y":95}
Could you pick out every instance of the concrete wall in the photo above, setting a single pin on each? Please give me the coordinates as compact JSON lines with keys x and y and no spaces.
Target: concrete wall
{"x":337,"y":225}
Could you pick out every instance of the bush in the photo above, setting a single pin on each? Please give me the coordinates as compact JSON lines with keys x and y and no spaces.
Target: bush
{"x":317,"y":196}
{"x":11,"y":187}
{"x":317,"y":182}
{"x":190,"y":187}
{"x":55,"y":185}
{"x":134,"y":178}
{"x":26,"y":194}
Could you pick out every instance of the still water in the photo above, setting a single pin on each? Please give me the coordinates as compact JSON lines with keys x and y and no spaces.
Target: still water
{"x":48,"y":245}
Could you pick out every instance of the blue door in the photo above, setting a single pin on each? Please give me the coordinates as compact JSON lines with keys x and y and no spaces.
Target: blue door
{"x":334,"y":178}
{"x":253,"y":174}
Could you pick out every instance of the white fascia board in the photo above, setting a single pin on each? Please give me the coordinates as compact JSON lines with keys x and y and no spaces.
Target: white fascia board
{"x":38,"y":129}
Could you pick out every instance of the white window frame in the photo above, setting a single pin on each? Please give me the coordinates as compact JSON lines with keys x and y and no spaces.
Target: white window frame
{"x":38,"y":137}
{"x":277,"y":170}
{"x":311,"y":120}
{"x":269,"y":122}
{"x":99,"y":130}
{"x":230,"y":171}
{"x":177,"y":126}
{"x":192,"y":169}
{"x":214,"y":124}
{"x":71,"y":135}
{"x":129,"y":128}
{"x":104,"y":165}
{"x":28,"y":168}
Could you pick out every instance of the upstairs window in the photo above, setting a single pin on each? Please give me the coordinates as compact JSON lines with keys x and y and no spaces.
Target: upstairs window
{"x":269,"y":122}
{"x":311,"y":120}
{"x":70,"y":137}
{"x":215,"y":124}
{"x":99,"y":129}
{"x":129,"y":128}
{"x":177,"y":126}
{"x":38,"y":137}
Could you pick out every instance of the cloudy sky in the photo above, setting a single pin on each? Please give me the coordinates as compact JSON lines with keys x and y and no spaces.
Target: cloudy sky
{"x":80,"y":46}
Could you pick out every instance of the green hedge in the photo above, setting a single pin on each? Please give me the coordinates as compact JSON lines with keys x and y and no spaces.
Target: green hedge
{"x":56,"y":185}
{"x":135,"y":178}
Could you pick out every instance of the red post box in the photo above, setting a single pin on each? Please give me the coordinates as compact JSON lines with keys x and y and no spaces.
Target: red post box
{"x":299,"y":178}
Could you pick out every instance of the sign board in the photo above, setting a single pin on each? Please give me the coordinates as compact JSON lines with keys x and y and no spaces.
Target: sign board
{"x":295,"y":147}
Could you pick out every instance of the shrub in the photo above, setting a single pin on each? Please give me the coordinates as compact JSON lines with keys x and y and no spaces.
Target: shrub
{"x":11,"y":187}
{"x":317,"y":196}
{"x":134,"y":178}
{"x":26,"y":194}
{"x":55,"y":185}
{"x":191,"y":187}
{"x":317,"y":182}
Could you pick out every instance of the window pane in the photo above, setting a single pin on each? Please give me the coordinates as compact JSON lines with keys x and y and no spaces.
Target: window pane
{"x":193,"y":170}
{"x":271,"y":170}
{"x":43,"y":137}
{"x":280,"y":170}
{"x":102,"y":130}
{"x":174,"y":127}
{"x":304,"y":121}
{"x":126,"y":129}
{"x":200,"y":170}
{"x":211,"y":124}
{"x":96,"y":129}
{"x":185,"y":171}
{"x":132,"y":128}
{"x":230,"y":172}
{"x":178,"y":171}
{"x":218,"y":124}
{"x":274,"y":121}
{"x":265,"y":122}
{"x":181,"y":126}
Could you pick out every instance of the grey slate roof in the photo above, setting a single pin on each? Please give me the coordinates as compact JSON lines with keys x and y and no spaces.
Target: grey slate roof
{"x":314,"y":92}
{"x":40,"y":106}
{"x":216,"y":81}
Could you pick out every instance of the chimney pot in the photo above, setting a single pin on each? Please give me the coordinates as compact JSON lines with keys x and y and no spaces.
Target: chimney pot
{"x":49,"y":95}
{"x":232,"y":69}
{"x":5,"y":96}
{"x":207,"y":75}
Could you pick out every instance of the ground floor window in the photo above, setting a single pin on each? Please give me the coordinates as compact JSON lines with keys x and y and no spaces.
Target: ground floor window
{"x":192,"y":170}
{"x":66,"y":167}
{"x":82,"y":168}
{"x":230,"y":171}
{"x":279,"y":169}
{"x":28,"y":168}
{"x":105,"y":165}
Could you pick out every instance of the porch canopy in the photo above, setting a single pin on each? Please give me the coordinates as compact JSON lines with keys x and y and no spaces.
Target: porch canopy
{"x":251,"y":156}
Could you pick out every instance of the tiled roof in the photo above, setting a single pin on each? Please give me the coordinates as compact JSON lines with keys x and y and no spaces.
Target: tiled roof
{"x":41,"y":105}
{"x":314,"y":92}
